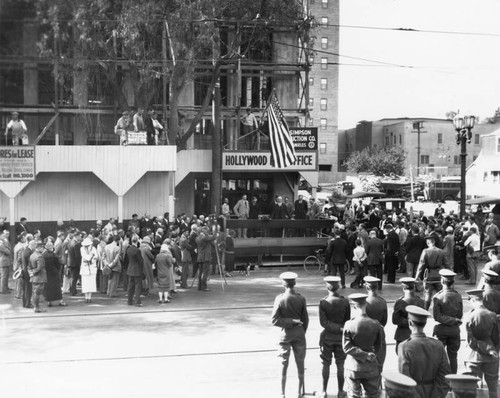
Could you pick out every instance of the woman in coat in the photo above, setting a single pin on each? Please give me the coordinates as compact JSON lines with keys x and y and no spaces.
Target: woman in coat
{"x":164,"y":264}
{"x":88,"y":269}
{"x":53,"y":270}
{"x":148,"y":258}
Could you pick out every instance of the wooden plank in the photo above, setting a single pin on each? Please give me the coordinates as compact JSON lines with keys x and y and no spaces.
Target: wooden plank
{"x":46,"y":128}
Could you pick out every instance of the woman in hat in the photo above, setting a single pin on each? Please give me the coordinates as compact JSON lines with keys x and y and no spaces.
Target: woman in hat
{"x":53,"y":269}
{"x":164,"y":264}
{"x":88,"y":269}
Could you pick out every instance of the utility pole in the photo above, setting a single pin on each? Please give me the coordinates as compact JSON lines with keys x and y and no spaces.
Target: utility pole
{"x":418,"y":126}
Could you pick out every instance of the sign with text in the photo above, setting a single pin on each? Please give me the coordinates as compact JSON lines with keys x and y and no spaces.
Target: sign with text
{"x":304,"y":138}
{"x":17,"y":163}
{"x":261,"y":161}
{"x":136,"y":138}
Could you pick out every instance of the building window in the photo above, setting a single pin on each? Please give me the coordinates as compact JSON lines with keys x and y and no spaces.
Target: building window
{"x":311,"y":101}
{"x":476,"y":139}
{"x":324,"y":20}
{"x":387,"y":141}
{"x":325,"y":167}
{"x":456,"y":159}
{"x":324,"y":3}
{"x":322,"y":147}
{"x":324,"y":63}
{"x":394,"y":139}
{"x":440,"y":138}
{"x":324,"y":43}
{"x":324,"y":104}
{"x":495,"y":177}
{"x":323,"y":124}
{"x":311,"y":81}
{"x":485,"y":176}
{"x":424,"y":159}
{"x":324,"y":83}
{"x":400,"y":139}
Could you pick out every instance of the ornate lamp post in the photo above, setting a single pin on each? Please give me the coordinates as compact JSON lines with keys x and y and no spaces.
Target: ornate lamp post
{"x":463,"y":126}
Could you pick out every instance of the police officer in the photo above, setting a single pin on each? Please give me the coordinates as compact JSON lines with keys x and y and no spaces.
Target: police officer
{"x":376,"y":308}
{"x":492,"y":252}
{"x":481,"y":357}
{"x":362,"y":342}
{"x":448,"y":310}
{"x":334,"y":312}
{"x":423,"y":358}
{"x":431,"y":261}
{"x":399,"y":315}
{"x":398,"y":385}
{"x":463,"y":386}
{"x":290,"y":314}
{"x":491,"y":296}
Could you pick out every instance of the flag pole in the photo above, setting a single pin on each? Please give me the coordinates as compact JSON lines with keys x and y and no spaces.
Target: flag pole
{"x":267,"y":106}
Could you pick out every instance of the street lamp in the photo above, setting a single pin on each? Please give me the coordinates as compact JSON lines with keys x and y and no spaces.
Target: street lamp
{"x":463,"y":126}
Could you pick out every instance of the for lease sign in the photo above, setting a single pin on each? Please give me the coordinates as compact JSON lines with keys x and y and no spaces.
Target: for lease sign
{"x":17,"y":163}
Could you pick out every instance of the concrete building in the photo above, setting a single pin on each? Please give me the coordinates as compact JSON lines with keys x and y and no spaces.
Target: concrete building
{"x":438,"y":153}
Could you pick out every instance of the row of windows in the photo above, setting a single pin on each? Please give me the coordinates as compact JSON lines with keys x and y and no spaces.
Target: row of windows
{"x":494,"y":175}
{"x":476,"y":138}
{"x":323,"y":123}
{"x":324,"y":3}
{"x":323,"y":103}
{"x":324,"y":82}
{"x":424,"y":159}
{"x":439,"y":139}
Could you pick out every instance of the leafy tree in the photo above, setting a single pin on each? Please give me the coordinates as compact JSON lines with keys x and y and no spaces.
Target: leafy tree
{"x":493,"y":119}
{"x":128,"y":37}
{"x":380,"y":162}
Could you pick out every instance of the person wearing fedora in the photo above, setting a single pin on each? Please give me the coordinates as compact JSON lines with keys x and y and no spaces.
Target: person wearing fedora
{"x":431,"y":262}
{"x":334,"y":312}
{"x":423,"y":358}
{"x":362,"y":341}
{"x":483,"y":343}
{"x":447,"y":309}
{"x":18,"y":131}
{"x":38,"y":276}
{"x":290,"y":314}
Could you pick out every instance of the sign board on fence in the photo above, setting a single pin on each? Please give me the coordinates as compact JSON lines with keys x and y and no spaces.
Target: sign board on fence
{"x":137,"y":138}
{"x":261,"y":161}
{"x":304,"y":138}
{"x":17,"y":163}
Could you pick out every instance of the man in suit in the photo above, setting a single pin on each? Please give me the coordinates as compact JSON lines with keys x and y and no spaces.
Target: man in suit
{"x":278,"y":212}
{"x":6,"y":258}
{"x":300,"y":213}
{"x":204,"y":245}
{"x":74,"y":261}
{"x":423,"y":358}
{"x":374,"y":249}
{"x":391,"y":244}
{"x":242,"y":211}
{"x":22,"y":226}
{"x":27,"y":288}
{"x":135,"y":268}
{"x":289,"y":207}
{"x":336,"y":256}
{"x":415,"y":244}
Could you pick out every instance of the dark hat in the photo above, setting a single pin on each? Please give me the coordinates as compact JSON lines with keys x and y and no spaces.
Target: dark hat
{"x":359,"y":298}
{"x":388,"y":226}
{"x":491,"y":247}
{"x":288,"y":276}
{"x":397,"y":382}
{"x":125,"y":113}
{"x":433,"y":237}
{"x":417,"y":314}
{"x":462,"y":383}
{"x":134,"y":215}
{"x":478,"y":293}
{"x":332,"y":279}
{"x":447,"y":274}
{"x":371,"y":280}
{"x":489,"y":274}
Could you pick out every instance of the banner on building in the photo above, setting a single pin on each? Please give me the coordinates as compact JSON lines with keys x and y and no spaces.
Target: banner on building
{"x":136,"y":138}
{"x":262,"y":161}
{"x":304,"y":138}
{"x":17,"y":163}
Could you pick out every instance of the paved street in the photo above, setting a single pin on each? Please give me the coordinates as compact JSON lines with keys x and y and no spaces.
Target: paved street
{"x":214,"y":344}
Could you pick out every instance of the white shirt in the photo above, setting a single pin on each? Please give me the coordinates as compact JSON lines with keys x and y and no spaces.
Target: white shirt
{"x":474,"y":241}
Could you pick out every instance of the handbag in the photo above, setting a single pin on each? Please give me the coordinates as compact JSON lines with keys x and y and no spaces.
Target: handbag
{"x":106,"y":271}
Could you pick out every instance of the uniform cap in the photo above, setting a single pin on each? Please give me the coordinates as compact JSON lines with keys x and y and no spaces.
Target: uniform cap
{"x":417,"y":314}
{"x":489,"y":274}
{"x":399,"y":382}
{"x":446,"y":273}
{"x":332,"y":279}
{"x":371,"y":279}
{"x":288,"y":276}
{"x":407,"y":280}
{"x":358,"y":297}
{"x":475,"y":293}
{"x":462,"y":382}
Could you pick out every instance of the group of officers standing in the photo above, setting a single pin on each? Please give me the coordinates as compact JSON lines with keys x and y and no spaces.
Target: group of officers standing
{"x":427,"y":365}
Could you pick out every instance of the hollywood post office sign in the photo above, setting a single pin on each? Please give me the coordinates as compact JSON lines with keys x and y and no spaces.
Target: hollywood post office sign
{"x":17,"y":163}
{"x":304,"y":138}
{"x":261,"y":161}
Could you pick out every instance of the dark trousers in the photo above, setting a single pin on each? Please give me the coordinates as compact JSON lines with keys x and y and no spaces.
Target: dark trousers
{"x":75,"y":274}
{"x":134,"y":289}
{"x":376,"y":271}
{"x":334,"y":269}
{"x":452,"y":345}
{"x":391,"y":263}
{"x":203,"y":275}
{"x":27,"y":292}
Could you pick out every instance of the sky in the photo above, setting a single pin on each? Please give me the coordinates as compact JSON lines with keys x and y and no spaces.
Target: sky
{"x":435,"y":72}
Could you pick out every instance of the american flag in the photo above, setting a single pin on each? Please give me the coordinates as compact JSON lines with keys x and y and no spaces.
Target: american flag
{"x":282,"y":150}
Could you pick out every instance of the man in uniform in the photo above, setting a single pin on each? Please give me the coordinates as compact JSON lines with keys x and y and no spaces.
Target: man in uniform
{"x":334,"y":312}
{"x":447,"y":311}
{"x":423,"y":358}
{"x":290,"y":314}
{"x":399,"y":315}
{"x":398,"y":385}
{"x":362,"y":342}
{"x":481,"y":357}
{"x":38,"y":275}
{"x":494,"y":264}
{"x":431,"y":262}
{"x":491,"y":296}
{"x":376,"y":308}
